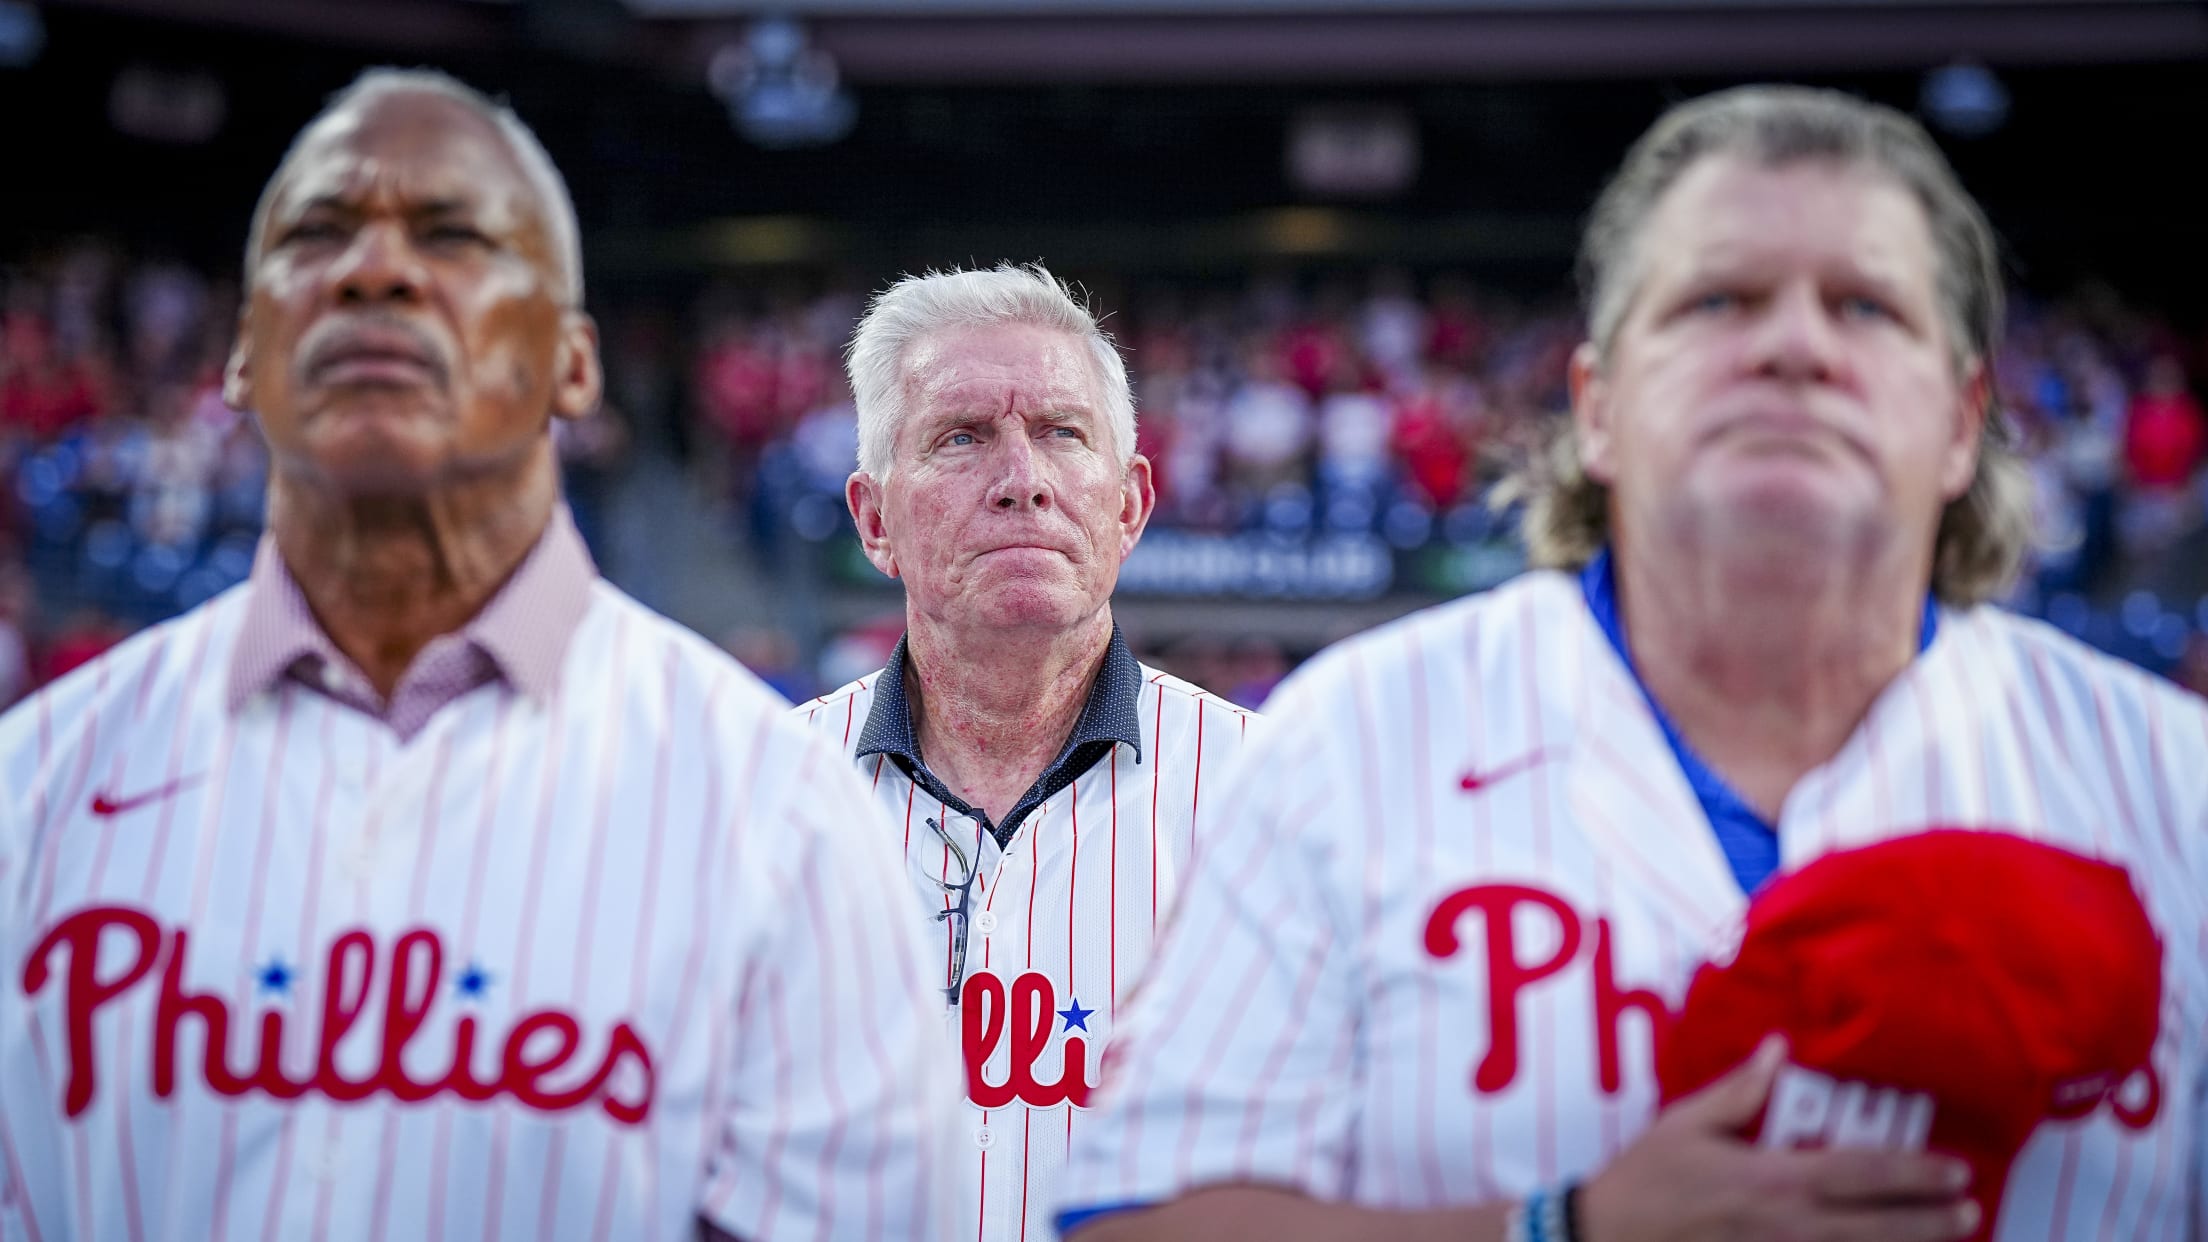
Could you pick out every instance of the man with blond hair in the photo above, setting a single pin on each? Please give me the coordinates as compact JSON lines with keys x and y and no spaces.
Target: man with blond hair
{"x":1044,"y":788}
{"x":1421,"y":982}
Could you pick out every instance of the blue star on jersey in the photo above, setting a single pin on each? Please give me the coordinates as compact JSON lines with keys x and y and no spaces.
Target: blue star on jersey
{"x":275,"y":978}
{"x":1077,"y":1018}
{"x":473,"y":982}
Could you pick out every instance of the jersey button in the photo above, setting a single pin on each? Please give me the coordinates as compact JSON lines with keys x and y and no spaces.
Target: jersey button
{"x":985,"y":922}
{"x":984,"y":1138}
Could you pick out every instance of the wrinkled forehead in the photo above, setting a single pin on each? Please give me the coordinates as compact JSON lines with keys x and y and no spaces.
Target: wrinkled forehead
{"x":1840,"y":210}
{"x":1015,"y":364}
{"x":406,"y":150}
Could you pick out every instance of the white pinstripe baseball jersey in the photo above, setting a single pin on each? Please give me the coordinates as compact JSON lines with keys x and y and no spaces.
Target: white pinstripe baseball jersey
{"x":583,"y":966}
{"x":1063,"y":919}
{"x":1418,"y":961}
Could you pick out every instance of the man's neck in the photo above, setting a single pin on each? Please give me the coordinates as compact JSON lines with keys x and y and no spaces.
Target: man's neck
{"x":1766,"y":669}
{"x":989,"y":715}
{"x":384,"y":576}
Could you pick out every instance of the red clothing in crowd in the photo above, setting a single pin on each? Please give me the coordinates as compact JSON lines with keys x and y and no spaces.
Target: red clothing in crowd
{"x":2165,"y":439}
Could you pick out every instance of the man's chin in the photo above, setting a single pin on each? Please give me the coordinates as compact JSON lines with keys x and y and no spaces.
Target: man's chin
{"x":1028,"y":606}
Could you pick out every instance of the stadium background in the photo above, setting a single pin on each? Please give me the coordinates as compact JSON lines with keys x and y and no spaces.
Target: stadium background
{"x":1335,"y":236}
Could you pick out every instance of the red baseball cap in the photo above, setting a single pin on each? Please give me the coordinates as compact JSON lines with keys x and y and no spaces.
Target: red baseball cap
{"x":1945,"y":991}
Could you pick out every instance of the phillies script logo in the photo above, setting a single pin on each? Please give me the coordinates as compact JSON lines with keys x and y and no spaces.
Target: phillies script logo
{"x":985,"y":1012}
{"x":1508,"y":974}
{"x":538,"y":1047}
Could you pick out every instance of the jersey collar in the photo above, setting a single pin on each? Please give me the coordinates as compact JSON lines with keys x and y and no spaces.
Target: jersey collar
{"x":523,"y":630}
{"x":1107,"y":719}
{"x":1750,"y":845}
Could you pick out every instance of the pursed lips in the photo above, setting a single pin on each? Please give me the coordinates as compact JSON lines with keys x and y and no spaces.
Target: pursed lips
{"x":1782,"y":425}
{"x":372,"y":355}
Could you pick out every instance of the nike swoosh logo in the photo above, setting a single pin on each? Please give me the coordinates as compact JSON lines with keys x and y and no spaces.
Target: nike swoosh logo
{"x":1475,"y":781}
{"x":104,"y":806}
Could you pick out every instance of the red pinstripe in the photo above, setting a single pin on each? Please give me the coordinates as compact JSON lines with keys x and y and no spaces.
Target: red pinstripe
{"x":831,"y":1030}
{"x":1882,"y":805}
{"x":1650,"y":873}
{"x":778,"y":1024}
{"x":2065,"y":1179}
{"x":1196,"y":783}
{"x":160,"y":852}
{"x":2053,"y":712}
{"x":16,"y":1180}
{"x":1422,"y":796}
{"x":256,"y":893}
{"x":485,"y":828}
{"x":1308,"y":1124}
{"x":1541,"y":1010}
{"x":586,"y":926}
{"x":2166,"y":1133}
{"x":646,"y":905}
{"x":1157,"y":771}
{"x":532,"y":888}
{"x":701,"y":897}
{"x":1475,"y":725}
{"x":1931,"y":728}
{"x":50,"y":842}
{"x":1269,"y":1070}
{"x":1376,"y":852}
{"x":1073,"y":879}
{"x":1180,"y":1006}
{"x":1111,"y":882}
{"x":318,"y":832}
{"x":432,"y":814}
{"x":2111,"y":1209}
{"x":2158,"y":784}
{"x":1239,"y":1008}
{"x":125,"y":1151}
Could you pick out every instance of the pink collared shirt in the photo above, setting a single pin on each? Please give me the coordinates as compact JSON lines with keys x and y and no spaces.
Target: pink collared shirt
{"x":519,"y":637}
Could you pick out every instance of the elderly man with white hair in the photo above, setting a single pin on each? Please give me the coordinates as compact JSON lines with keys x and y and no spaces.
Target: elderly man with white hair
{"x":1044,"y":787}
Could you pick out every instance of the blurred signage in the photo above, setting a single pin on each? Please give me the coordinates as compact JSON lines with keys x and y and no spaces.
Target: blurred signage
{"x":1170,"y":562}
{"x":181,"y":106}
{"x":1353,"y":150}
{"x":22,"y":34}
{"x":782,"y":93}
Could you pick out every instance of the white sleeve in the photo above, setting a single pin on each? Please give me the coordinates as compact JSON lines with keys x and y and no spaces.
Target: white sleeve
{"x":834,"y":1118}
{"x":1238,"y":1059}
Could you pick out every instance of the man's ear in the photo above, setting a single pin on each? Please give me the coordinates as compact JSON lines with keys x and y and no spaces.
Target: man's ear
{"x":578,"y":379}
{"x":1138,"y":495}
{"x":1591,"y":423}
{"x":237,"y":385}
{"x":1959,"y":457}
{"x":864,"y":498}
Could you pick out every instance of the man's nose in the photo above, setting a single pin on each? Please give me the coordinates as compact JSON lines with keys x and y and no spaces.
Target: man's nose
{"x":1022,"y":483}
{"x":1795,"y":337}
{"x":380,"y":265}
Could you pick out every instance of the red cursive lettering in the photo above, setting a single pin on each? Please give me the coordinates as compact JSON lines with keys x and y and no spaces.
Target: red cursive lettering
{"x":1611,"y":1002}
{"x":1506,"y":975}
{"x":1030,"y":1010}
{"x":539,"y":1044}
{"x":86,"y":991}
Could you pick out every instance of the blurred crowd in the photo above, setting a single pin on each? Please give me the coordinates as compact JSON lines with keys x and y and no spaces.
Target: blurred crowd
{"x":1379,"y":405}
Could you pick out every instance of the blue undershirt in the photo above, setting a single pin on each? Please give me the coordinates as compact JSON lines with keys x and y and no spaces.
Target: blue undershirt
{"x":1750,"y":845}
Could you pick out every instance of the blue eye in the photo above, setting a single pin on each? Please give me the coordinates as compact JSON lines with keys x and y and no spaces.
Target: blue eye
{"x":960,"y":437}
{"x":1860,"y":307}
{"x":1715,"y":300}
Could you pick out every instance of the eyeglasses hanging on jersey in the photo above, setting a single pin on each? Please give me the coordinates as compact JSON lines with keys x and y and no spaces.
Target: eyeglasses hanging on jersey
{"x":960,"y":882}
